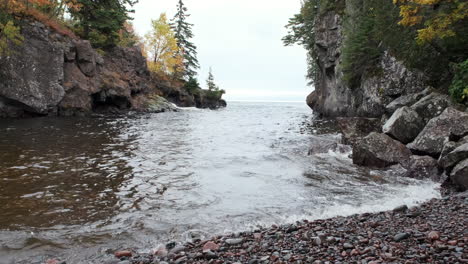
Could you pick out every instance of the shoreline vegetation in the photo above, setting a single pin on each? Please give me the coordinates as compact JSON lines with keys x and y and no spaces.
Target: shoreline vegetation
{"x":92,"y":60}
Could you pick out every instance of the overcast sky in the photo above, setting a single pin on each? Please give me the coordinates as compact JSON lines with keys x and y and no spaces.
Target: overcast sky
{"x":241,"y":41}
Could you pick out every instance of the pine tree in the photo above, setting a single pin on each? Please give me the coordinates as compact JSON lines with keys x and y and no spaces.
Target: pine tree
{"x":183,"y":34}
{"x":101,"y":20}
{"x":210,"y":82}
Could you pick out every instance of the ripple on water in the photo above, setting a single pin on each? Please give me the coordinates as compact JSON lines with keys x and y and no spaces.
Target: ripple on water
{"x":80,"y":186}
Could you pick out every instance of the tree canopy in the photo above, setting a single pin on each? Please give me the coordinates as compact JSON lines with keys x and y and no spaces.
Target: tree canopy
{"x":161,"y":47}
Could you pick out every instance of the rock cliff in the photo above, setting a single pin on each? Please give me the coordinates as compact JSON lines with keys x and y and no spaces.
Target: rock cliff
{"x":333,"y":97}
{"x":50,"y":74}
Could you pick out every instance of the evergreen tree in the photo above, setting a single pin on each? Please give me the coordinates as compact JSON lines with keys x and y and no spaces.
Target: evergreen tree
{"x":183,"y":34}
{"x":101,"y":20}
{"x":210,"y":82}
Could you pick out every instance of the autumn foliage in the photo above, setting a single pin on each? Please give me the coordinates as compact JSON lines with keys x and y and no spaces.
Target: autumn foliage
{"x":438,"y":17}
{"x":44,"y":11}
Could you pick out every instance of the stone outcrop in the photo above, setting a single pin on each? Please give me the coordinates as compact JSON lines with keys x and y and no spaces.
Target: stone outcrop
{"x":332,"y":96}
{"x":450,"y":125}
{"x":404,"y":125}
{"x":379,"y":150}
{"x":50,"y":74}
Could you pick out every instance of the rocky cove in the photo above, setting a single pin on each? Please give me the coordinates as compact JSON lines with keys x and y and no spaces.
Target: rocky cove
{"x":52,"y":74}
{"x":371,"y":175}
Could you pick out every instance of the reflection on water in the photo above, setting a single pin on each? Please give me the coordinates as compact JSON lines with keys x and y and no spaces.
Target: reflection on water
{"x":77,"y":187}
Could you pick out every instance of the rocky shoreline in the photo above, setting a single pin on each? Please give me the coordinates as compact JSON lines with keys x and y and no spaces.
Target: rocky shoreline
{"x":434,"y":232}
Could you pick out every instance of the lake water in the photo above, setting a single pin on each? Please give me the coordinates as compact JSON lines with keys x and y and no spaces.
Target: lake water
{"x":77,"y":188}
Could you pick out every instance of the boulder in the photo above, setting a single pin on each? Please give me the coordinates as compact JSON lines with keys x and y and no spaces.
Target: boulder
{"x":459,"y":175}
{"x":431,"y":105}
{"x":404,"y":125}
{"x":405,"y":100}
{"x":450,"y":125}
{"x":451,"y":159}
{"x":379,"y":150}
{"x":31,"y":79}
{"x":355,"y":128}
{"x":311,"y":99}
{"x":422,"y":167}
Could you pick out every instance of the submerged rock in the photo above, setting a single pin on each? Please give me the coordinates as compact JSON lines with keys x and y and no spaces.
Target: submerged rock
{"x":404,"y":125}
{"x":451,"y":124}
{"x":379,"y":150}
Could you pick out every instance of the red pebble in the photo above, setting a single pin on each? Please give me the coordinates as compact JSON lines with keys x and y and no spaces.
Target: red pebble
{"x":123,"y":253}
{"x":210,"y":245}
{"x":433,"y":235}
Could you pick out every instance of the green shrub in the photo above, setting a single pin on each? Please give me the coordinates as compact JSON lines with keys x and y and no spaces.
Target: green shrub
{"x":459,"y":87}
{"x":192,"y":86}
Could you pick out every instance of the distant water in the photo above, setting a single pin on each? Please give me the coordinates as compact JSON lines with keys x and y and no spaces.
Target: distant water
{"x":79,"y":187}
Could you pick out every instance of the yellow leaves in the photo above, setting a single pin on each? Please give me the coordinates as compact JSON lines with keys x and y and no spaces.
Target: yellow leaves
{"x":9,"y":35}
{"x":438,"y":16}
{"x":161,"y":48}
{"x":409,"y":15}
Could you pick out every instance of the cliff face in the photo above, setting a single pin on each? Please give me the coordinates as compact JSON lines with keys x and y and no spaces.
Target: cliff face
{"x":332,"y":97}
{"x":50,"y":74}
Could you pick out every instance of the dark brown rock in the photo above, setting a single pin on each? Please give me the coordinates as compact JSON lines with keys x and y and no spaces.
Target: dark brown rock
{"x":379,"y":150}
{"x":422,"y":167}
{"x":459,"y":175}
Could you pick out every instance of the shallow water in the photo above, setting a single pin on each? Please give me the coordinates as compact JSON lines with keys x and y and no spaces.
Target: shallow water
{"x":80,"y":187}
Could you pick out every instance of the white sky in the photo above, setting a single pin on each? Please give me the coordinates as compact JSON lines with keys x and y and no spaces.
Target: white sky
{"x":241,"y":41}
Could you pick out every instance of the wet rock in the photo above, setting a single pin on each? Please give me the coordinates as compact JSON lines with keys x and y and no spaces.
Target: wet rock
{"x":401,"y":236}
{"x":348,"y":246}
{"x":459,"y":175}
{"x":355,"y":128}
{"x":454,"y":157}
{"x":404,"y":125}
{"x":379,"y":150}
{"x":431,"y":106}
{"x":401,"y":208}
{"x":177,"y":249}
{"x":234,"y":241}
{"x":433,"y":235}
{"x":422,"y":167}
{"x":450,"y":125}
{"x":210,"y":246}
{"x":123,"y":253}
